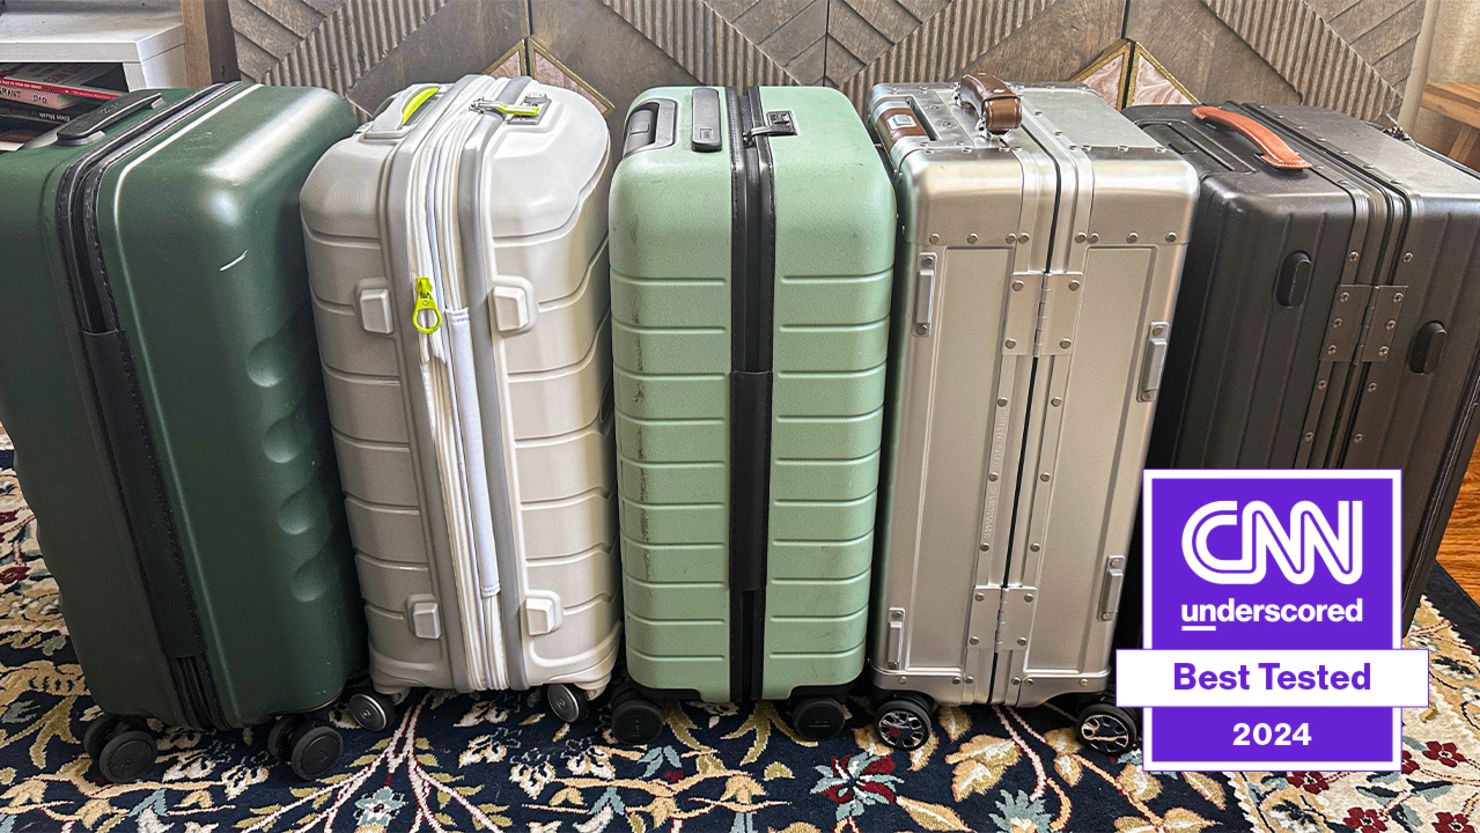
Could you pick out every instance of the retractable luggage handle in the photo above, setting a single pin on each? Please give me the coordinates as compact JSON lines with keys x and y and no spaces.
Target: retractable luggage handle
{"x":1275,"y":152}
{"x":998,"y":108}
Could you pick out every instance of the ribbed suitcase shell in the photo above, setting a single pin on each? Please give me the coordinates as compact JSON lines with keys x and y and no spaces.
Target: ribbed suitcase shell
{"x":673,"y":334}
{"x":1322,"y":382}
{"x":1037,"y":273}
{"x":516,"y":211}
{"x":197,"y":230}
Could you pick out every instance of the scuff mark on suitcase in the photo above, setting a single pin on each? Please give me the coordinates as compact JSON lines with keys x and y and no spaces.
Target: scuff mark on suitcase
{"x":239,"y":258}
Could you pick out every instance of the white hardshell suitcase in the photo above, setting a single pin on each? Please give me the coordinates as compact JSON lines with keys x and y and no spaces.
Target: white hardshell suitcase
{"x":1036,"y":276}
{"x":458,"y":259}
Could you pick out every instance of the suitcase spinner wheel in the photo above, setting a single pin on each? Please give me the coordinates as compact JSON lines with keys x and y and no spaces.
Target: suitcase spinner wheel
{"x":122,"y":751}
{"x":372,"y":710}
{"x":569,"y":703}
{"x":635,"y":718}
{"x":308,"y":746}
{"x":815,"y":718}
{"x":1106,"y":727}
{"x":904,"y":720}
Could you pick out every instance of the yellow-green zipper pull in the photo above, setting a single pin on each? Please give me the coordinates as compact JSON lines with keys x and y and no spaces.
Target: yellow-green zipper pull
{"x":425,"y":303}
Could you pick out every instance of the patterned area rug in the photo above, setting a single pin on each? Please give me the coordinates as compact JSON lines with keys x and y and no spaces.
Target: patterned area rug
{"x":498,"y":761}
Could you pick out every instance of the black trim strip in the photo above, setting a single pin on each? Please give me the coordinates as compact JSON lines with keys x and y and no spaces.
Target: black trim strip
{"x":123,"y":416}
{"x":752,"y":278}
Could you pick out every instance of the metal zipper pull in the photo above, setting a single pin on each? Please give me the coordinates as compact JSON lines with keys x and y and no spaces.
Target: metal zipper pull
{"x":425,"y":303}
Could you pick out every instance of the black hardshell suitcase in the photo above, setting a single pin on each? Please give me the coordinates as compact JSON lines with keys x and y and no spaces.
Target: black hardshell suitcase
{"x":1324,"y":319}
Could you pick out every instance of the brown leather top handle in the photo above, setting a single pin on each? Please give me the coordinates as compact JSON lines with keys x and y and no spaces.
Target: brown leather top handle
{"x":998,"y":109}
{"x":1275,"y":152}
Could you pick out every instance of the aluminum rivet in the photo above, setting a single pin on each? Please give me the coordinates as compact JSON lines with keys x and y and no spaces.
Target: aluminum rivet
{"x":1356,"y":438}
{"x":1056,"y":401}
{"x":1012,"y":238}
{"x":1022,"y":640}
{"x":992,"y":476}
{"x":1028,"y":597}
{"x":1371,"y":386}
{"x":1010,"y":343}
{"x":985,"y":547}
{"x":896,"y":614}
{"x":1171,"y":237}
{"x":1064,"y":343}
{"x":1094,"y":237}
{"x":970,"y":680}
{"x":893,"y":664}
{"x":1081,"y":237}
{"x":1028,"y":681}
{"x":1043,"y":477}
{"x":976,"y":640}
{"x":1156,"y":331}
{"x":1084,"y":683}
{"x":1408,"y":257}
{"x":935,"y":238}
{"x":1023,"y":238}
{"x":1331,"y":350}
{"x":927,"y":259}
{"x":922,"y":329}
{"x":1074,"y":286}
{"x":956,"y":680}
{"x":1017,"y":680}
{"x":1017,"y":286}
{"x":1382,"y":351}
{"x":981,"y":597}
{"x":1001,"y":401}
{"x":971,"y":238}
{"x":1390,"y":324}
{"x":1132,"y":237}
{"x":1034,"y":547}
{"x":1309,"y":436}
{"x":1353,"y":257}
{"x":1336,"y":322}
{"x":902,"y":679}
{"x":1345,"y":296}
{"x":1397,"y":297}
{"x":1321,"y":385}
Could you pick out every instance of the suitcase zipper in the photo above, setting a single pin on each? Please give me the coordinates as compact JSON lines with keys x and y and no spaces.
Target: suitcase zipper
{"x":125,"y":422}
{"x":440,"y":316}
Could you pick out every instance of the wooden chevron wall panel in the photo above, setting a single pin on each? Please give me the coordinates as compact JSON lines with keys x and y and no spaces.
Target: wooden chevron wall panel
{"x":1349,"y":54}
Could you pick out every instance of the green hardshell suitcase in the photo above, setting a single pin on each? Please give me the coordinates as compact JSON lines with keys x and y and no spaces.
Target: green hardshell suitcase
{"x":159,"y":376}
{"x":752,"y":244}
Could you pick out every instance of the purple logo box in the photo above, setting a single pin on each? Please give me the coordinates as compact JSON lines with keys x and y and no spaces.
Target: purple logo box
{"x":1211,"y":549}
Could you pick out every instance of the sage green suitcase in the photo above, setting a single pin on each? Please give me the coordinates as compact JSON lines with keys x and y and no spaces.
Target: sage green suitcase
{"x":159,"y":376}
{"x":752,"y":244}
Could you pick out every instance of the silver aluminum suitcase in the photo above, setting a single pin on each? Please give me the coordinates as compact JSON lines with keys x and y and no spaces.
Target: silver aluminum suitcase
{"x":1042,"y":240}
{"x":458,"y":259}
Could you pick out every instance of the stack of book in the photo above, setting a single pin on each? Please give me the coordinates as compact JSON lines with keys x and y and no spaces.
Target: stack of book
{"x":35,"y":98}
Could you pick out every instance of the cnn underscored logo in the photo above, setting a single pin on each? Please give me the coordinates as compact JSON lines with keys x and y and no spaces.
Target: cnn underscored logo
{"x":1294,"y":544}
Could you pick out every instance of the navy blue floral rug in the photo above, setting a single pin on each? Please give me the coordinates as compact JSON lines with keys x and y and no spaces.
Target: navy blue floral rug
{"x":499,"y":761}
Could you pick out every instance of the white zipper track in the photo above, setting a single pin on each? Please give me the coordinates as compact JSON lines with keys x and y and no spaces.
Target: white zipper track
{"x":456,"y":422}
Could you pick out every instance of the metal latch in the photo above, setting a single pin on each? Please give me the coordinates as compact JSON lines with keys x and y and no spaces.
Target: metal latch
{"x":1155,"y":362}
{"x":1110,"y":589}
{"x":925,"y":295}
{"x":778,"y":123}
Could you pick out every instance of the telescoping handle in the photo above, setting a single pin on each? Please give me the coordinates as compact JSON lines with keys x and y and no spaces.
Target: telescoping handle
{"x":1275,"y":152}
{"x":998,"y":109}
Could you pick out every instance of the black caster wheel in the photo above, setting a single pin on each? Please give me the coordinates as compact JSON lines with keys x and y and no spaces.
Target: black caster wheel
{"x":315,"y":750}
{"x":1107,"y":728}
{"x":97,"y":735}
{"x":635,"y":719}
{"x":127,"y":755}
{"x":815,"y":718}
{"x":372,"y":710}
{"x":279,"y":737}
{"x":567,"y":702}
{"x":903,"y":722}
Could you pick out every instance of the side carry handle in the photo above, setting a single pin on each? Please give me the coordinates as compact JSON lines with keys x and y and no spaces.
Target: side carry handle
{"x":89,"y":127}
{"x":1155,"y":361}
{"x":1274,"y":151}
{"x":649,"y":125}
{"x":998,"y":108}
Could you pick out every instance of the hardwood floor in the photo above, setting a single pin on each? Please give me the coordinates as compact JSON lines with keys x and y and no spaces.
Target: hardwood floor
{"x":1460,"y":551}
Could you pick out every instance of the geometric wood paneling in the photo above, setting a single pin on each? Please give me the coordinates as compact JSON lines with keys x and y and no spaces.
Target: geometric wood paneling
{"x":1348,"y":54}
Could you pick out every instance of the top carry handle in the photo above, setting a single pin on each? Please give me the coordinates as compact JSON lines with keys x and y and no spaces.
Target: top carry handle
{"x":998,"y":109}
{"x":1275,"y":152}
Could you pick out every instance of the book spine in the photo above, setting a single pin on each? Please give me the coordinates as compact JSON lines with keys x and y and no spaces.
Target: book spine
{"x":34,"y":115}
{"x":37,"y":98}
{"x":57,"y":89}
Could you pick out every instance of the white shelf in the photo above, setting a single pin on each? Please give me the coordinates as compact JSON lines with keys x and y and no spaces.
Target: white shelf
{"x":146,"y":36}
